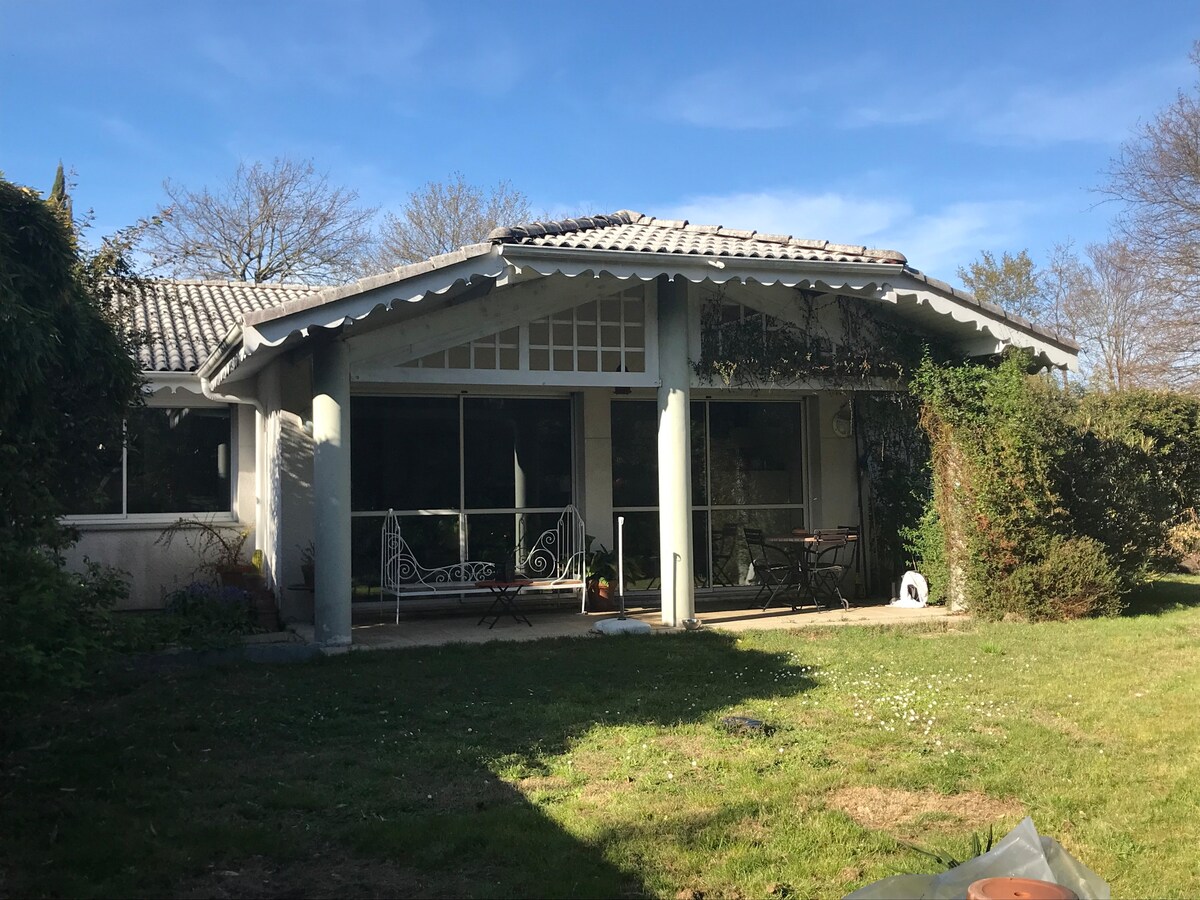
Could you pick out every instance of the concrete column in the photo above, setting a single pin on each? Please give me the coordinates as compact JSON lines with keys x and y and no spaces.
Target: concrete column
{"x":596,"y":503}
{"x":331,"y":491}
{"x":674,"y":454}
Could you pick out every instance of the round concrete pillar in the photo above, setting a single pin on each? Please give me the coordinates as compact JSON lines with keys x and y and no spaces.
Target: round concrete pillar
{"x":674,"y":454}
{"x":331,"y":492}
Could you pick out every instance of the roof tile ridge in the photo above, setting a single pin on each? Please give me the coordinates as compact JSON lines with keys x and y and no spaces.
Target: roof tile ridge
{"x":507,"y":233}
{"x":233,"y":282}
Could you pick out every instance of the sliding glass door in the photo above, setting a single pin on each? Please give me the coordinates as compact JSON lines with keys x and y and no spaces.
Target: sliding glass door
{"x":472,"y":477}
{"x":748,"y":480}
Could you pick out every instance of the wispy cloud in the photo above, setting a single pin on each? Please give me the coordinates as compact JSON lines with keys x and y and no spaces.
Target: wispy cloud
{"x":334,"y":61}
{"x":117,"y":131}
{"x":935,"y":240}
{"x":999,"y":107}
{"x":733,"y":98}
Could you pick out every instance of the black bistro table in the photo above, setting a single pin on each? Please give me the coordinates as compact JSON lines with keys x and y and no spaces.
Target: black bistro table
{"x":808,"y":551}
{"x":504,"y":600}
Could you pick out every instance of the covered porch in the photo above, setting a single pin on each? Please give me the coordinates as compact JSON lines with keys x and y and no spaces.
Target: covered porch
{"x":476,"y":395}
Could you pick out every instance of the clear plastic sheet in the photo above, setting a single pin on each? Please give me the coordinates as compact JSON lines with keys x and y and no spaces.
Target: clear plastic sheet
{"x":1022,"y":853}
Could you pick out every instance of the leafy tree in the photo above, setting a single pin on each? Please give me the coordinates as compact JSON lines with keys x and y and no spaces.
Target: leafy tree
{"x":1012,"y":283}
{"x":69,"y":380}
{"x":1156,"y":177}
{"x":441,"y":216}
{"x":70,"y":375}
{"x":283,"y":222}
{"x":58,"y":192}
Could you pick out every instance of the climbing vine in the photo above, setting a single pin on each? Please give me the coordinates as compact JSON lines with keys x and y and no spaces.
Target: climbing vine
{"x":858,"y":348}
{"x":841,"y":343}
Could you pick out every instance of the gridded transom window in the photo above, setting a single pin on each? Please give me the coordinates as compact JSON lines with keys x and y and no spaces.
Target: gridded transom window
{"x":495,"y":351}
{"x":606,"y":335}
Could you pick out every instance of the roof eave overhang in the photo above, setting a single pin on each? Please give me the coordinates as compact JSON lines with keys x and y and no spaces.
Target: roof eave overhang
{"x":896,"y":283}
{"x":648,"y":265}
{"x":984,"y":330}
{"x":264,"y":335}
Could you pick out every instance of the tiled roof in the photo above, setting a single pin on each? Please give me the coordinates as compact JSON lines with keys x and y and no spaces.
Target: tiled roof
{"x":186,"y":320}
{"x":635,"y":232}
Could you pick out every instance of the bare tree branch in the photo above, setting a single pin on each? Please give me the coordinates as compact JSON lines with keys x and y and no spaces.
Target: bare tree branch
{"x":284,"y":222}
{"x":441,"y":216}
{"x":1157,"y":177}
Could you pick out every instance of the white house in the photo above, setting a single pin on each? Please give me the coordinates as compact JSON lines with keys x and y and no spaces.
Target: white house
{"x":554,"y":363}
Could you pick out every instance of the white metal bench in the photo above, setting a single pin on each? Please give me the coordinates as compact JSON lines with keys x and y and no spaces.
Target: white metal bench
{"x":556,"y":561}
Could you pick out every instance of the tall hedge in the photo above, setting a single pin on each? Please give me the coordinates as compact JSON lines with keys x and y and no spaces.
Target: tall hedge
{"x":1048,"y":503}
{"x":69,"y":379}
{"x":69,"y":374}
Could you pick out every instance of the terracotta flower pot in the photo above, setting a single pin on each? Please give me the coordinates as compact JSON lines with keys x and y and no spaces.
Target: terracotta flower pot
{"x":598,"y":597}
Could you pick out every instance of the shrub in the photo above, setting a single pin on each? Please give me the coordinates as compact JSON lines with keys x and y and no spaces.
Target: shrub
{"x":927,"y":543}
{"x":56,"y":624}
{"x":1183,"y":541}
{"x":1048,"y":502}
{"x":205,"y":615}
{"x":1132,"y":472}
{"x":1074,"y":579}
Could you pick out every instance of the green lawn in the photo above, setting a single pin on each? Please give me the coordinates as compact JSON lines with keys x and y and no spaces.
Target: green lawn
{"x":598,"y":768}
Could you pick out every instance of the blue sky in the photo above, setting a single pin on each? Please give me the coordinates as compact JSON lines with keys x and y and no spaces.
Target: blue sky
{"x":935,"y":129}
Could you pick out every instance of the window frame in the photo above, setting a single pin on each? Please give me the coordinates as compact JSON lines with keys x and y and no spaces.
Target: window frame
{"x":462,"y":513}
{"x":804,"y":403}
{"x":133,"y":520}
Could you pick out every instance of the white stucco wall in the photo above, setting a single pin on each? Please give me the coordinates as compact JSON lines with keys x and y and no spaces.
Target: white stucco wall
{"x":836,"y":477}
{"x":132,"y":544}
{"x":153,"y":569}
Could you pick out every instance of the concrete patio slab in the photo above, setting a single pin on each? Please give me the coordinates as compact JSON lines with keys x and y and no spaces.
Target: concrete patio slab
{"x":372,"y":631}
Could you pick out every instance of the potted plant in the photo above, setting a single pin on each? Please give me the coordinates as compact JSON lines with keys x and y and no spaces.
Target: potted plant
{"x":601,"y":573}
{"x":220,"y":548}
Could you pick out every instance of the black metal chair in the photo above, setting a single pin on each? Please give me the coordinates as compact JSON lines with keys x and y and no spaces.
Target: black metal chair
{"x":833,"y":555}
{"x":724,"y":544}
{"x":776,"y":571}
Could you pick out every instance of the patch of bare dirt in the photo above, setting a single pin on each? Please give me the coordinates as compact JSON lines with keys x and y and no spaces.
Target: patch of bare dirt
{"x":1062,"y":725}
{"x":593,"y":763}
{"x":542,"y":784}
{"x":890,"y":809}
{"x":750,"y":831}
{"x":599,"y":792}
{"x":690,"y":745}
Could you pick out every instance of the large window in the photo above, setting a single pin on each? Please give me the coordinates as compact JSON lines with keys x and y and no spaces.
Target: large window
{"x":747,"y":472}
{"x":175,"y":460}
{"x":471,"y":477}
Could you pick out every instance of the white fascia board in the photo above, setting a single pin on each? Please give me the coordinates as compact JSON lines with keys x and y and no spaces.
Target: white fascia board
{"x":991,"y":333}
{"x":248,"y":348}
{"x":646,"y":266}
{"x":357,"y":307}
{"x":173,"y":382}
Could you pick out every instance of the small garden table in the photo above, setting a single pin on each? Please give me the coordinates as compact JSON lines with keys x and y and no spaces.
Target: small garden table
{"x":504,"y":600}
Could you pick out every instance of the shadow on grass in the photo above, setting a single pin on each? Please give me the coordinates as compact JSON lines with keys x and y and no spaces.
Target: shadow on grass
{"x":1164,"y":595}
{"x":369,"y":775}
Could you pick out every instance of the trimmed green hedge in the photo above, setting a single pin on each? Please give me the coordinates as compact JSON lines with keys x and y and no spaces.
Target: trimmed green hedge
{"x":1047,"y":502}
